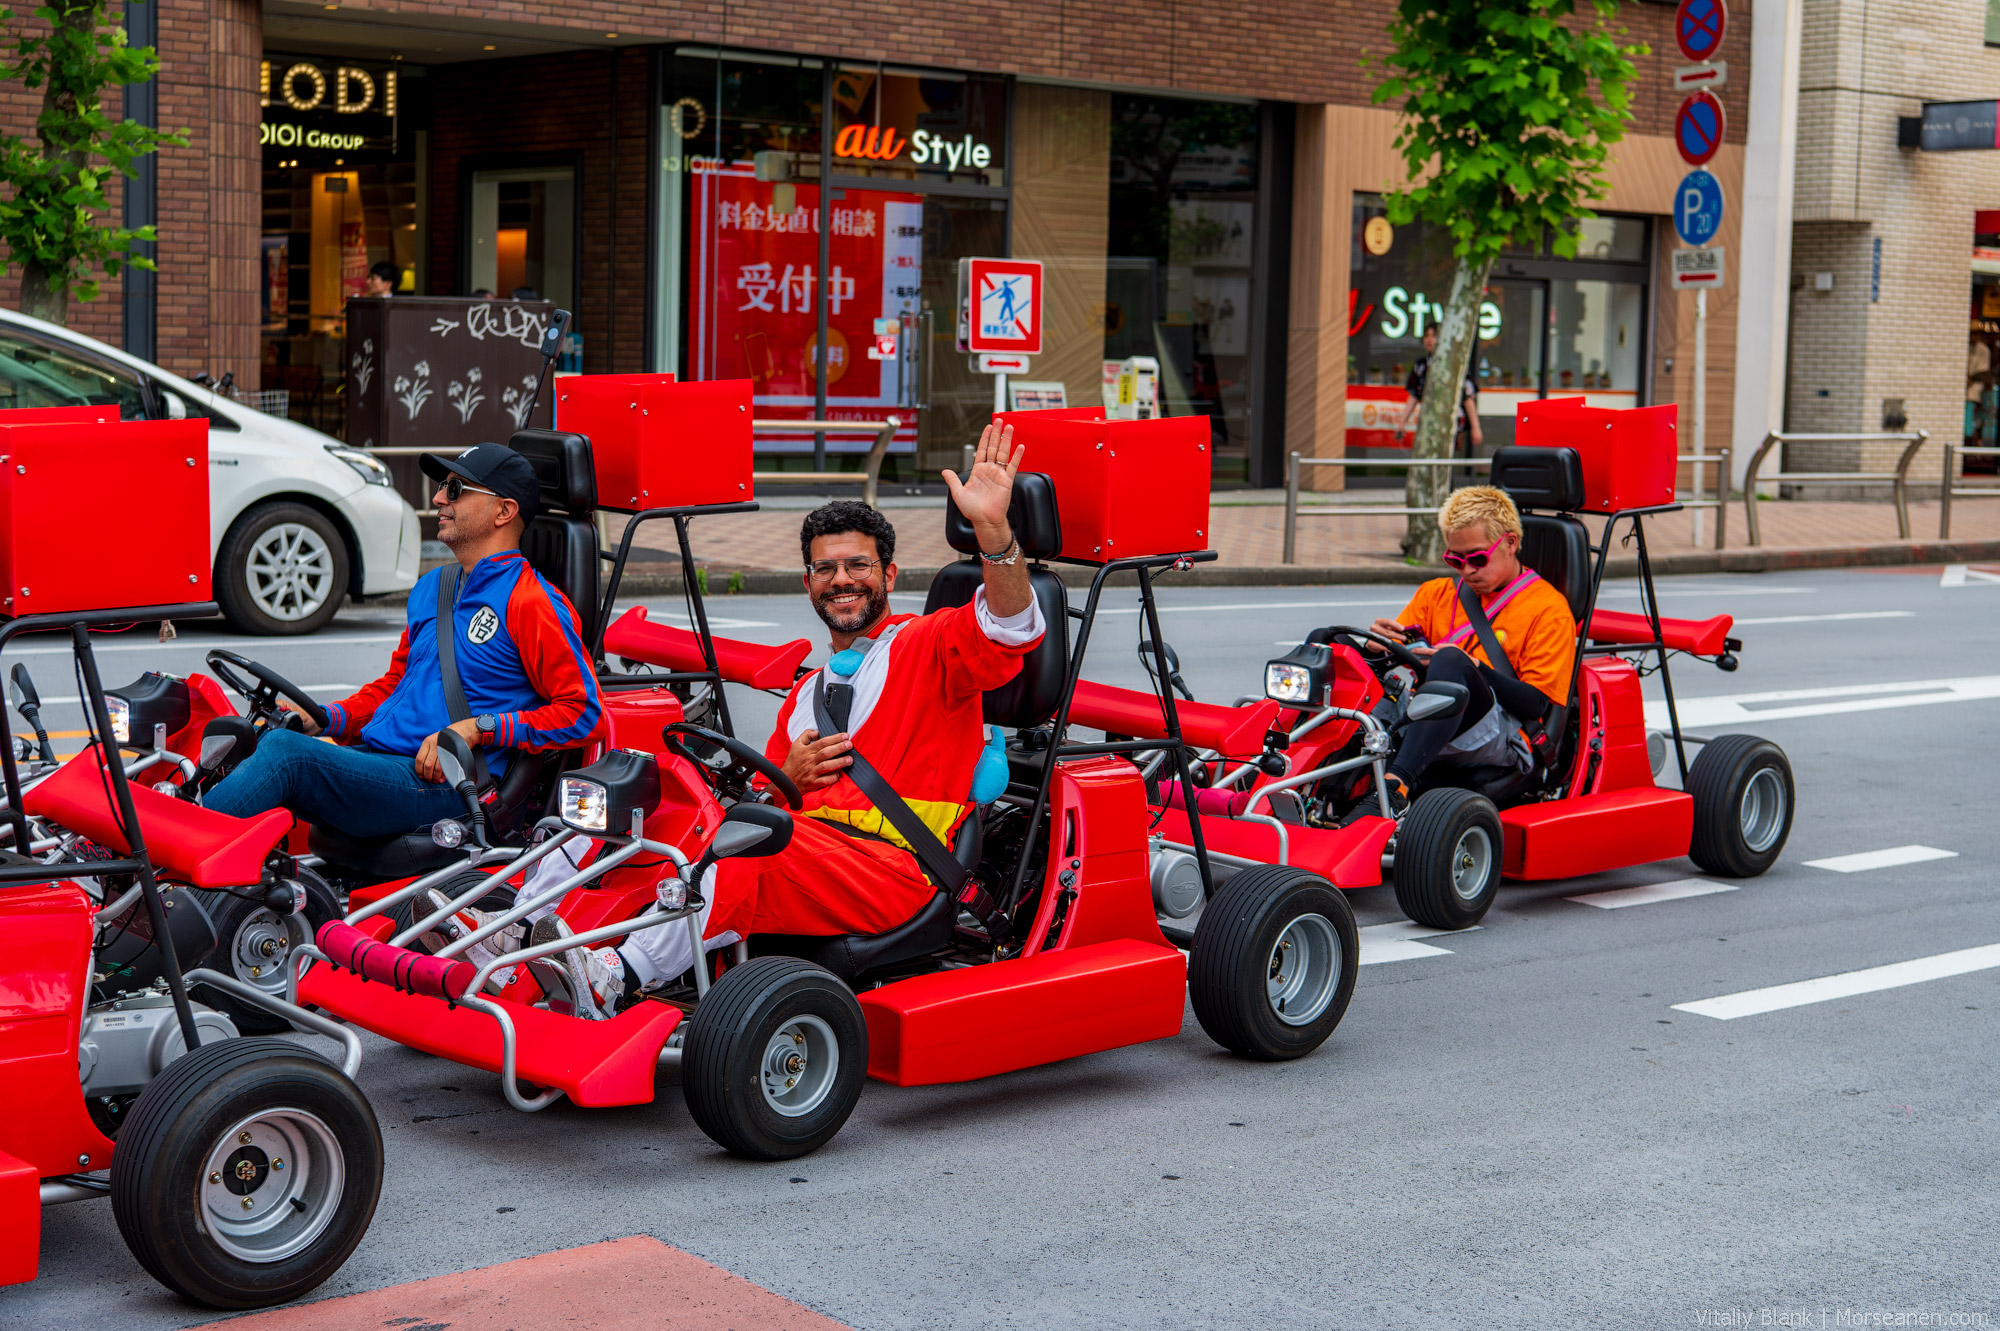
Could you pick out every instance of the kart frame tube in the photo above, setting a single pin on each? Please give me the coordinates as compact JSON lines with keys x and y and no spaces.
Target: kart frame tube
{"x":1173,"y":744}
{"x":79,"y":624}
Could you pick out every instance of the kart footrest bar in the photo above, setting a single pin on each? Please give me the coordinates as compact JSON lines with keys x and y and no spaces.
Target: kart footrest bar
{"x":412,"y":972}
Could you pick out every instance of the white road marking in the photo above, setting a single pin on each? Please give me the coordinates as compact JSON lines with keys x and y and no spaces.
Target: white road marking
{"x":1257,"y":605}
{"x":1665,"y":589}
{"x":1964,"y":575}
{"x":1814,"y":619}
{"x":1397,"y":942}
{"x":206,"y":644}
{"x":309,"y":688}
{"x":1737,"y":707}
{"x":1882,"y":859}
{"x":714,"y":621}
{"x":1728,"y":1007}
{"x":1619,"y":898}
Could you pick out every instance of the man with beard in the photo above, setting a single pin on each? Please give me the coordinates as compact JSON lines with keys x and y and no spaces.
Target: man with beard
{"x":915,"y":715}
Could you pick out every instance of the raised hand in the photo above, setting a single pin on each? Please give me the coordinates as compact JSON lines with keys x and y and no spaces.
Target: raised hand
{"x":983,"y":496}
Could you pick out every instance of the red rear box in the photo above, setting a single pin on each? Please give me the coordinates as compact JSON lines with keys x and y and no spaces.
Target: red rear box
{"x":1628,"y":456}
{"x":1124,"y":488}
{"x":661,"y":444}
{"x":52,"y":474}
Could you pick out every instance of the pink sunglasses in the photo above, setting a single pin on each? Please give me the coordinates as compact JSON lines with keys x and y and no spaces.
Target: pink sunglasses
{"x":1476,"y":560}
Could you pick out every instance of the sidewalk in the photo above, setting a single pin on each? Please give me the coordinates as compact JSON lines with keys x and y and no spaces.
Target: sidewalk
{"x":1249,"y":539}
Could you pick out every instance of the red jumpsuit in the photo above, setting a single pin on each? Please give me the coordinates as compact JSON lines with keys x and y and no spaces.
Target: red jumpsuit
{"x":916,"y":716}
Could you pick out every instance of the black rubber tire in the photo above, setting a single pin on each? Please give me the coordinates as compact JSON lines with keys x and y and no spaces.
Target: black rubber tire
{"x":233,"y":914}
{"x":232,"y":578}
{"x":1442,"y":824}
{"x":404,"y":913}
{"x":726,"y":1042}
{"x":1719,"y":780}
{"x":179,"y":1119}
{"x":1233,"y":959}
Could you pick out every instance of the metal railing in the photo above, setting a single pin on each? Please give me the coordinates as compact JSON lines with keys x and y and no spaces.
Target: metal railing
{"x":1899,"y":478}
{"x":1295,"y":461}
{"x":868,"y":478}
{"x":1952,"y":451}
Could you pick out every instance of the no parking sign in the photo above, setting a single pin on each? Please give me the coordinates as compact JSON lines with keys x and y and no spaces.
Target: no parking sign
{"x":1698,"y":128}
{"x":1698,"y":27}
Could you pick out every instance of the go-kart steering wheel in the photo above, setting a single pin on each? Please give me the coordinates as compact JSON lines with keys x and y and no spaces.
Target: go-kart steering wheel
{"x":728,"y":764}
{"x":1398,"y":653}
{"x":267,"y":688}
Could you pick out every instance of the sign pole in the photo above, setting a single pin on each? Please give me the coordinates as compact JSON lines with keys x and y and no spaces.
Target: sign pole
{"x":999,"y":393}
{"x":1700,"y":396}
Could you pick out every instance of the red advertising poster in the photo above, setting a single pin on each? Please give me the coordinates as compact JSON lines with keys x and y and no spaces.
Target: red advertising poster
{"x":754,"y":314}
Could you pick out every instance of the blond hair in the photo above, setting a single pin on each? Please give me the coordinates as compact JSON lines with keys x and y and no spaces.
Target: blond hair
{"x":1480,"y":504}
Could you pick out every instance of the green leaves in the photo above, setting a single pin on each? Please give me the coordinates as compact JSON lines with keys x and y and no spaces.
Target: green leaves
{"x":1509,"y":111}
{"x":57,"y":182}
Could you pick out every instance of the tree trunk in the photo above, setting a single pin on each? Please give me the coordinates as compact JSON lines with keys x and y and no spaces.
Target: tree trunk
{"x":41,"y":297}
{"x":38,"y":301}
{"x":1458,"y":337}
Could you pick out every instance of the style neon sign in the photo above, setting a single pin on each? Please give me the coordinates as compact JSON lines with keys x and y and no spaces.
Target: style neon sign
{"x":1404,"y":313}
{"x":878,"y":143}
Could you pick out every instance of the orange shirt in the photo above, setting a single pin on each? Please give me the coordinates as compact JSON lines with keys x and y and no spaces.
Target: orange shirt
{"x":1535,"y":630}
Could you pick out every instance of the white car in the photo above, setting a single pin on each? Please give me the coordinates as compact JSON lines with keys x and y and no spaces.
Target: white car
{"x":298,"y":521}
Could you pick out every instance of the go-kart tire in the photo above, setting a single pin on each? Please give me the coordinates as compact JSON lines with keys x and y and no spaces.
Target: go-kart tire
{"x":1448,"y":856}
{"x":1743,"y":803}
{"x":320,"y":592}
{"x":187,"y":1127}
{"x":1264,"y":920}
{"x":247,"y":932}
{"x":404,"y":913}
{"x":734,"y":1071}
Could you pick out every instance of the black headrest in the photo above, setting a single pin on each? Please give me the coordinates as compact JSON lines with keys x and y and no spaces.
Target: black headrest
{"x":1557,"y":547}
{"x":1031,"y":513}
{"x":1031,"y":697}
{"x":561,"y":459}
{"x":1545,"y":478}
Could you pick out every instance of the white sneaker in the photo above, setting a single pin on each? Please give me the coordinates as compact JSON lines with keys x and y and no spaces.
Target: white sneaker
{"x":595,"y":976}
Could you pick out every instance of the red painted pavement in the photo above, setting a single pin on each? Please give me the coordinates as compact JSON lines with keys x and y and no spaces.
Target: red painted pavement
{"x":635,"y":1282}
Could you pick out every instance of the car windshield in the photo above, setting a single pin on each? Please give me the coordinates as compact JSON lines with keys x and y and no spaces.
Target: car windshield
{"x":34,"y":373}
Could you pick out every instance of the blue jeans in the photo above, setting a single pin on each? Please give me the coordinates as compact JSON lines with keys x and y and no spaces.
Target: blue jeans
{"x":362,"y":792}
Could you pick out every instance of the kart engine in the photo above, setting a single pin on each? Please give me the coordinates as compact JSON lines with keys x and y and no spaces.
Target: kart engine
{"x":126,"y":1043}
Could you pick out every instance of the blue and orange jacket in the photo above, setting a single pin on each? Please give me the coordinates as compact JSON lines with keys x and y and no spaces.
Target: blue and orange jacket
{"x":520,"y":657}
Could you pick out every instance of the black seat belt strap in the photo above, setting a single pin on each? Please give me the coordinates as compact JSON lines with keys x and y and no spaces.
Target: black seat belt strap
{"x":446,"y":633}
{"x":1496,"y":656}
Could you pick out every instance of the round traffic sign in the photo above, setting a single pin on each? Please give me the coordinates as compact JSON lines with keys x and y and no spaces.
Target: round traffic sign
{"x":1698,"y":27}
{"x":1698,"y":208}
{"x":1698,"y":128}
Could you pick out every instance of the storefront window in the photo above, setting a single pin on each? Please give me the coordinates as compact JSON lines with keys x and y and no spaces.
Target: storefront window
{"x":1178,"y":278}
{"x":523,"y":232}
{"x":340,"y":195}
{"x":1547,"y":326}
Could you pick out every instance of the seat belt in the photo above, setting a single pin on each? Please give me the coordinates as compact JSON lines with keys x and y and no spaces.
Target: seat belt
{"x":931,"y":852}
{"x":446,"y":632}
{"x":1535,"y":728}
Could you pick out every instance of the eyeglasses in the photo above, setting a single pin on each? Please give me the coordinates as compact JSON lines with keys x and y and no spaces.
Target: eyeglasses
{"x":454,"y":488}
{"x":822,"y":570}
{"x":1476,"y":560}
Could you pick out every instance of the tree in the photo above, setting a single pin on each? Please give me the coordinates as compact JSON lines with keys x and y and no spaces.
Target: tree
{"x":50,"y":225}
{"x":1508,"y":115}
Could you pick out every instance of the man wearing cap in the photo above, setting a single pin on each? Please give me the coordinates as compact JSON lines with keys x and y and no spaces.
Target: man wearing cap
{"x":527,"y":678}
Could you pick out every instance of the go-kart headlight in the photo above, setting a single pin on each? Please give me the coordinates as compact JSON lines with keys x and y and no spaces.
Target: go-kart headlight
{"x":366,"y":465}
{"x":586,"y":806}
{"x":1298,"y":678}
{"x":121,"y":718}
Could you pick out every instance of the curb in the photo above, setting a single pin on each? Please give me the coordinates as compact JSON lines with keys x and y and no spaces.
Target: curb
{"x":779,"y":582}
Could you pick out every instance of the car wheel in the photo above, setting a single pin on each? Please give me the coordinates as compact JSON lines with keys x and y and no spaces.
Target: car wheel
{"x":1743,"y":801}
{"x":282,"y":570}
{"x":246,"y":1172}
{"x":1447,"y":867}
{"x":1273,"y":962}
{"x":774,"y":1059}
{"x":254,"y":944}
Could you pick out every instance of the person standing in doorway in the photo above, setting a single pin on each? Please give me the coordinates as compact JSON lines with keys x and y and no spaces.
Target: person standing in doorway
{"x":382,"y":280}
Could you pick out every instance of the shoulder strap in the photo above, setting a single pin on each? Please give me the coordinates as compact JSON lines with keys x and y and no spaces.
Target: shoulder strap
{"x":446,"y":632}
{"x":937,"y":860}
{"x":1475,"y":614}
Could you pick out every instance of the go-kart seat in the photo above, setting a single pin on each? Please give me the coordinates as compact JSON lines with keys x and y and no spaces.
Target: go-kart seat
{"x":406,"y":854}
{"x":1026,"y":701}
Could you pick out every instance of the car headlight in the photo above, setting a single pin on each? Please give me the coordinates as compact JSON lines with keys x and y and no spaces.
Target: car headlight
{"x":1299,"y":677}
{"x":585,"y":805}
{"x":121,"y":718}
{"x":366,"y":465}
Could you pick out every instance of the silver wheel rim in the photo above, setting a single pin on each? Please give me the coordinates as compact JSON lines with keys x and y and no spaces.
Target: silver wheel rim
{"x":262,"y":947}
{"x":799,"y":1066}
{"x":1762,"y":809}
{"x":1471,"y":864}
{"x":1303,"y":970}
{"x":289,"y":571}
{"x":271,"y":1185}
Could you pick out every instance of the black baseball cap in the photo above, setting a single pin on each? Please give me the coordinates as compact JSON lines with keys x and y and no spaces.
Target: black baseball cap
{"x":494,"y":467}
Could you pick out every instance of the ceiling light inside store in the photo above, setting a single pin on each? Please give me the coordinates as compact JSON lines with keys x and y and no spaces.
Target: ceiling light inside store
{"x":611,"y":34}
{"x":485,"y":48}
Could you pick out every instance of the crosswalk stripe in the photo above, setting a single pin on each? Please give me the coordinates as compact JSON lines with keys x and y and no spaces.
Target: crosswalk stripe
{"x":1398,"y":942}
{"x":1882,"y":859}
{"x":1751,"y":1002}
{"x":1618,"y":898}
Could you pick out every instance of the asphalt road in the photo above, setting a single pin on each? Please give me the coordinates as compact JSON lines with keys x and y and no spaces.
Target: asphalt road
{"x":1514,"y":1126}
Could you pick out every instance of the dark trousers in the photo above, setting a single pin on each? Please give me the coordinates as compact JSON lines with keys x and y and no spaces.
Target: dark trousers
{"x":1423,"y":740}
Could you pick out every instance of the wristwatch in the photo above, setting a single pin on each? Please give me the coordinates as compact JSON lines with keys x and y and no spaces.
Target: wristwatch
{"x":486,"y":723}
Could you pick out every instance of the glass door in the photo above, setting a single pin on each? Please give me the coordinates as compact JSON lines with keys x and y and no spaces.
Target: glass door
{"x":1508,"y":368}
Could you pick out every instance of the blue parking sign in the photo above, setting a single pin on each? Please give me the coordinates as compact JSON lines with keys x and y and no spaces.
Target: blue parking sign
{"x":1697,"y":208}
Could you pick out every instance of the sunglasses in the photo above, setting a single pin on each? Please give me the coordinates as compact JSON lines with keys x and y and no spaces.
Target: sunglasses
{"x":823,"y":570}
{"x":1475,"y":561}
{"x":454,"y":488}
